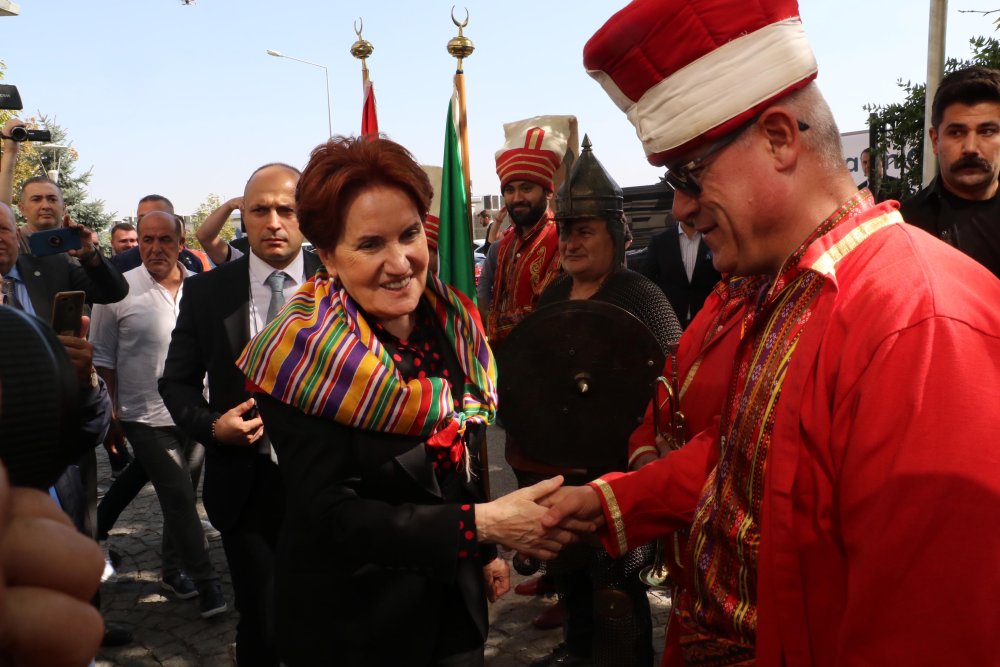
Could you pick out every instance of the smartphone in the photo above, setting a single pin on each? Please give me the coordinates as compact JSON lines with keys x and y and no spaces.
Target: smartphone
{"x":67,"y":313}
{"x":53,"y":241}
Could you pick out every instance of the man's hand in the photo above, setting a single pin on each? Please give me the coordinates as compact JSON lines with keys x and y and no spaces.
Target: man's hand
{"x":88,"y":252}
{"x":49,"y":573}
{"x":10,"y":144}
{"x":80,"y":353}
{"x":208,"y":232}
{"x":514,"y":521}
{"x":497,"y":576}
{"x":574,"y":508}
{"x":234,"y":204}
{"x":114,"y":441}
{"x":232,"y":429}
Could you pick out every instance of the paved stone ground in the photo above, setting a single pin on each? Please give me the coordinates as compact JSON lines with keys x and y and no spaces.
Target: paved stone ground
{"x":171,"y":633}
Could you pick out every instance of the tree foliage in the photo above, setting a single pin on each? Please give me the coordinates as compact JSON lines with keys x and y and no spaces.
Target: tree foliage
{"x":32,"y":161}
{"x":901,"y":125}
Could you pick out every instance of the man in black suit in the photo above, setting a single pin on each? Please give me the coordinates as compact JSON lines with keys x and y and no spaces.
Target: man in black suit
{"x":219,"y":312}
{"x":681,"y":264}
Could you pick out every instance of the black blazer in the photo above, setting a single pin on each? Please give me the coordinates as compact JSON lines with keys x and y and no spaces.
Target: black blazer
{"x":367,"y":570}
{"x":665,"y":267}
{"x":44,"y":276}
{"x":213,"y":327}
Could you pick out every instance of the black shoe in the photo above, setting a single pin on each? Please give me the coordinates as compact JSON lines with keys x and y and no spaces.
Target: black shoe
{"x":180,"y":585}
{"x":561,"y":657}
{"x":116,"y":635}
{"x":213,"y":602}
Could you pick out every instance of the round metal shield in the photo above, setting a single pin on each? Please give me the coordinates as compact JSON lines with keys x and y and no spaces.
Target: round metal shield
{"x":574,"y":381}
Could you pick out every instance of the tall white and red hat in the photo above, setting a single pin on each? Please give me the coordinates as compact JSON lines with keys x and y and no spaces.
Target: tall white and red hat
{"x":534,"y":149}
{"x":688,"y":72}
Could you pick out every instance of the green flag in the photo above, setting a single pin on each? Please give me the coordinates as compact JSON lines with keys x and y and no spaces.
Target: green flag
{"x":455,"y":260}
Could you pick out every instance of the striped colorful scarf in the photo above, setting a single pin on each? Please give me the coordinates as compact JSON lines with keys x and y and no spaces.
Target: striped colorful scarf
{"x":322,"y":357}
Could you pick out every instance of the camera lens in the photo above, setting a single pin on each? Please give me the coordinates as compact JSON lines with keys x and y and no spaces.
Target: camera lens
{"x":55,"y":241}
{"x":18,"y":134}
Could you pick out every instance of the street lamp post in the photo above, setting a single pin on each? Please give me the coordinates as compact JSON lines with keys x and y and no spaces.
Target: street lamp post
{"x":329,"y":117}
{"x":56,"y":157}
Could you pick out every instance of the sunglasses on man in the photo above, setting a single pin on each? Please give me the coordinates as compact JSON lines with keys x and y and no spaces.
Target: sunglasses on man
{"x":684,"y":178}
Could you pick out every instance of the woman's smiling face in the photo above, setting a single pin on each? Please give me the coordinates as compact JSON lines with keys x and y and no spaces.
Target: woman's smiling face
{"x":381,"y":256}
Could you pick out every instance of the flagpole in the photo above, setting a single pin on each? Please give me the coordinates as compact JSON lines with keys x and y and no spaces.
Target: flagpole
{"x":362,"y":49}
{"x":461,"y":47}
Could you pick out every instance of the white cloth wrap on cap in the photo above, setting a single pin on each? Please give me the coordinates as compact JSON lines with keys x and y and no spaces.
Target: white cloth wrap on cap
{"x":719,"y":86}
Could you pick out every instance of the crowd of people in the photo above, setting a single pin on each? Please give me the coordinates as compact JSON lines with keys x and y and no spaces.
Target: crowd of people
{"x":821,"y":480}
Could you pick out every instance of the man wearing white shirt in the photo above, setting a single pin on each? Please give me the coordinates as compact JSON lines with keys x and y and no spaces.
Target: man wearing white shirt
{"x":130,"y":340}
{"x":220,"y":311}
{"x":681,"y":264}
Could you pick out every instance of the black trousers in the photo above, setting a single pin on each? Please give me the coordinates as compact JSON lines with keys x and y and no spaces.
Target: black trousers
{"x":250,"y":546}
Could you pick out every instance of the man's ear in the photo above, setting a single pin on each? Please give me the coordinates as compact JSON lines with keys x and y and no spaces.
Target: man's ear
{"x":932,"y":132}
{"x":784,"y":138}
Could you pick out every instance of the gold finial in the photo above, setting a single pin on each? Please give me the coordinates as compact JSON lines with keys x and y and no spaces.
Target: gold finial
{"x":460,"y":46}
{"x":362,"y":48}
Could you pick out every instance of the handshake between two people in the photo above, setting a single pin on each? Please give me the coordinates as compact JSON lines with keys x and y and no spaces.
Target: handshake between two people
{"x":541,"y":519}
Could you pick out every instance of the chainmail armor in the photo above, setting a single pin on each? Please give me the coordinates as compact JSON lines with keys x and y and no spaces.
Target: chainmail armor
{"x":632,"y":292}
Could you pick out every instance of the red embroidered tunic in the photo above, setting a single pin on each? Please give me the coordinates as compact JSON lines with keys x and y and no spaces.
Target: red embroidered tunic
{"x":525,"y":267}
{"x":862,"y":472}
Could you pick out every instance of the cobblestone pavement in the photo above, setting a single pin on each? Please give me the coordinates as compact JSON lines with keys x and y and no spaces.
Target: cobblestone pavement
{"x":171,"y":633}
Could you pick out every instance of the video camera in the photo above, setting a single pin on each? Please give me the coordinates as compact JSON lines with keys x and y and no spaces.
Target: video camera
{"x":11,"y":99}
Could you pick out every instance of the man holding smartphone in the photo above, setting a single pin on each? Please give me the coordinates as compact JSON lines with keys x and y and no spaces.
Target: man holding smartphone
{"x":43,"y":276}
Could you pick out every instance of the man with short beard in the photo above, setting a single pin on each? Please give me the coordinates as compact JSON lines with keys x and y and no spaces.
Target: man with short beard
{"x":123,"y":237}
{"x":961,"y":206}
{"x":528,"y":259}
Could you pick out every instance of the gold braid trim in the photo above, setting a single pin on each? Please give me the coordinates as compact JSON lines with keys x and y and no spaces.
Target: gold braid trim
{"x":615,"y":512}
{"x":826,"y":263}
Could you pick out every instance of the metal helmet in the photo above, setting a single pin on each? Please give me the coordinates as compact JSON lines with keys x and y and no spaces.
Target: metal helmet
{"x":590,"y":192}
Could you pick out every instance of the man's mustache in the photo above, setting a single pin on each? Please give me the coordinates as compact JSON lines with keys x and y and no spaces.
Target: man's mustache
{"x":971,"y":162}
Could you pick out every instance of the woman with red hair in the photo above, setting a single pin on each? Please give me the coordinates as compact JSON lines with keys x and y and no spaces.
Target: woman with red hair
{"x":376,"y":384}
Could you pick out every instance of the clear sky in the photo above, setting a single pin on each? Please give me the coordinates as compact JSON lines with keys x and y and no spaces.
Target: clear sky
{"x":183,"y":101}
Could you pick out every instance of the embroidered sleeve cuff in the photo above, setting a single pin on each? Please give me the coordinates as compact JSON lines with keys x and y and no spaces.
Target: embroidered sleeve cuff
{"x":614,"y":540}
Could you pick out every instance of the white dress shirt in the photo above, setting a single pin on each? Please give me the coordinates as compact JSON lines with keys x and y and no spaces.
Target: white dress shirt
{"x":260,"y":291}
{"x":131,"y":337}
{"x":689,"y":250}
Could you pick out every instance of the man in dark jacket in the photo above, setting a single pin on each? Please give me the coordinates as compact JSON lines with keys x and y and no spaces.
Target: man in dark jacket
{"x":961,"y":206}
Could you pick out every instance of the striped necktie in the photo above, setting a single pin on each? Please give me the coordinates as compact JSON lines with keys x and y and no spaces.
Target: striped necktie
{"x":10,"y":293}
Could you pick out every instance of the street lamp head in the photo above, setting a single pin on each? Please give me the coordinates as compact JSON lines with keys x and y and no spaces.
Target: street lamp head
{"x":276,"y":54}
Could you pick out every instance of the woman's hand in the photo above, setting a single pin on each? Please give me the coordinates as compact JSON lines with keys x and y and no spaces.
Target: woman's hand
{"x":515,"y":522}
{"x":497,"y":576}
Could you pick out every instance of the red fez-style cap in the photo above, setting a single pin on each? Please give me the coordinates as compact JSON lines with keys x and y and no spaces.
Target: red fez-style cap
{"x":688,"y":72}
